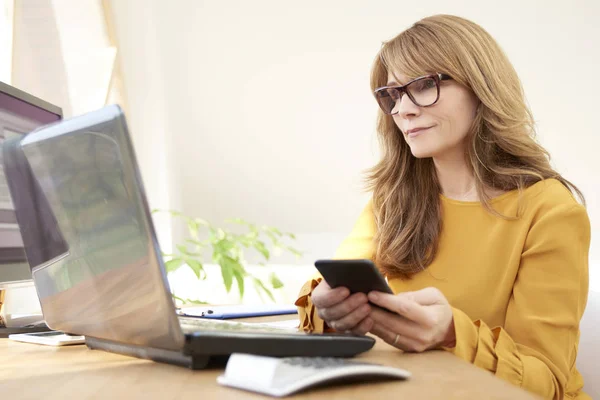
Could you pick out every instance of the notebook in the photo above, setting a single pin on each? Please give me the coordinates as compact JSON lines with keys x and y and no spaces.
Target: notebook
{"x":238,"y":311}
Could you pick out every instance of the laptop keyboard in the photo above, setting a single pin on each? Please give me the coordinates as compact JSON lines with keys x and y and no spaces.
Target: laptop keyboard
{"x":189,"y":325}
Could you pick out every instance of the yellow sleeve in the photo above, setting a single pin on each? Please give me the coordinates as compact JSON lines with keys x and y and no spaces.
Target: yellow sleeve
{"x":359,"y":244}
{"x":537,"y":347}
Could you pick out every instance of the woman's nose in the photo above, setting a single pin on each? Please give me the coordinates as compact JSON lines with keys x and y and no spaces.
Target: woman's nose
{"x":405,"y":107}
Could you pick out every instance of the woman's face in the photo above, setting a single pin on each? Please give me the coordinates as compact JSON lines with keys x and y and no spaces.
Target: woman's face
{"x":440,"y":130}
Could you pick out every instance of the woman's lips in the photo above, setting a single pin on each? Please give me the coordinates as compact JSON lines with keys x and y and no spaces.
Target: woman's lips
{"x":416,"y":131}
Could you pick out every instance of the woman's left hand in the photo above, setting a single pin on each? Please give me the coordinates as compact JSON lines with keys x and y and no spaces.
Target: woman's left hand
{"x":416,"y":321}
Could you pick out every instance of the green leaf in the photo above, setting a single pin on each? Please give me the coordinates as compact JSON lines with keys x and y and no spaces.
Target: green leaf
{"x":187,"y":301}
{"x":233,"y":262}
{"x":260,"y":246}
{"x":185,"y":251}
{"x":197,"y":267}
{"x":244,"y":241}
{"x":177,"y":298}
{"x":201,"y":222}
{"x":275,"y":281}
{"x":274,"y":230}
{"x":239,"y":277}
{"x":273,"y":237}
{"x":238,"y":221}
{"x":212,"y":235}
{"x":190,"y":301}
{"x":260,"y":296}
{"x":233,"y":267}
{"x":261,"y":286}
{"x":175,"y":213}
{"x":224,"y":245}
{"x":173,"y":264}
{"x":193,"y":228}
{"x":294,"y":251}
{"x":227,"y":273}
{"x":196,"y":243}
{"x":253,"y":228}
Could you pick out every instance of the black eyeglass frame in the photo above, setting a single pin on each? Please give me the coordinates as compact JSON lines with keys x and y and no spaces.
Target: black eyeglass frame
{"x":401,"y":89}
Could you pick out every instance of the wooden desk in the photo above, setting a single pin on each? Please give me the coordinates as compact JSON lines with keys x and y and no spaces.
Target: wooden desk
{"x":29,"y":371}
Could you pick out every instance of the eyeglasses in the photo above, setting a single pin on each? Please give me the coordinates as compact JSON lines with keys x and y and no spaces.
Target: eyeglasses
{"x":423,"y":91}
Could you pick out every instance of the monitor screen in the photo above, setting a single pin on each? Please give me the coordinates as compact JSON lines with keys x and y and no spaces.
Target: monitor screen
{"x":20,"y":113}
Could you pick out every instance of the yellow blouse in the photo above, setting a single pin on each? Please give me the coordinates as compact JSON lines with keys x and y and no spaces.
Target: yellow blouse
{"x":518,"y":288}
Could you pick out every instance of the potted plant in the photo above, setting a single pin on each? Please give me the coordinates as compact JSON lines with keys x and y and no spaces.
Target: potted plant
{"x":227,"y":247}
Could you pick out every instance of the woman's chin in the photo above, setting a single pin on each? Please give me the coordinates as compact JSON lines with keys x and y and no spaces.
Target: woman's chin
{"x":421,"y":153}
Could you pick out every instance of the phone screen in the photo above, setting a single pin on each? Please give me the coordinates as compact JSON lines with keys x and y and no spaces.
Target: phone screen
{"x":357,"y":275}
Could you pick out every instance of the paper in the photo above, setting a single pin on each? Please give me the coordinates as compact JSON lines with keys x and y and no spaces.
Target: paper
{"x":291,"y":324}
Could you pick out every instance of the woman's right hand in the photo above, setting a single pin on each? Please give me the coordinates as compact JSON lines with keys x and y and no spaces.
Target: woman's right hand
{"x":342,"y":311}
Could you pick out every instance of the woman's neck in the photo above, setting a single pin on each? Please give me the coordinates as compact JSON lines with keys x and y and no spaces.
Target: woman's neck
{"x":456,"y":178}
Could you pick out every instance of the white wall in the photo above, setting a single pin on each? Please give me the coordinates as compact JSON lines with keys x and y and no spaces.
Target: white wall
{"x":38,"y":66}
{"x":141,"y":50}
{"x":6,"y":39}
{"x":262,"y":109}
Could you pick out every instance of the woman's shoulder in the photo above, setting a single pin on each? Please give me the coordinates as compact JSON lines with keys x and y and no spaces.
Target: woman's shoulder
{"x":550,"y":200}
{"x":556,"y":213}
{"x":543,"y":197}
{"x":549,"y":193}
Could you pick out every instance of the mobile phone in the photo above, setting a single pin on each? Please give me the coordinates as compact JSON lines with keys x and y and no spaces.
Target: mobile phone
{"x":357,"y":275}
{"x":51,"y":338}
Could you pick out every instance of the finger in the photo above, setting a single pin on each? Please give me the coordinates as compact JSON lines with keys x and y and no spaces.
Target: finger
{"x":324,"y":296}
{"x":343,"y":308}
{"x":363,"y":327}
{"x":398,"y":324}
{"x":387,"y":336}
{"x":403,"y":343}
{"x":404,"y":306}
{"x":352,"y":319}
{"x":426,"y":297}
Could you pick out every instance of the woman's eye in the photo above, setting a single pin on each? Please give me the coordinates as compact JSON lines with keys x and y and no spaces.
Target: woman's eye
{"x":424,"y":84}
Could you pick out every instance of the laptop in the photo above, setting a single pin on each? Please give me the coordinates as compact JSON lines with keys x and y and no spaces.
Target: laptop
{"x":95,"y":258}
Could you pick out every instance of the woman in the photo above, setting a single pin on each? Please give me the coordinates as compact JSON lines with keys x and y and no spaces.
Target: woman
{"x":482,"y":241}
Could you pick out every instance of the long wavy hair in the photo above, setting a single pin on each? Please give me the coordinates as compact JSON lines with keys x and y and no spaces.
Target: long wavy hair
{"x":501,"y":152}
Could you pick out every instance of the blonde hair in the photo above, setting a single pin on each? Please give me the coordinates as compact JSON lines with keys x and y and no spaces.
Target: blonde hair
{"x":502,"y":152}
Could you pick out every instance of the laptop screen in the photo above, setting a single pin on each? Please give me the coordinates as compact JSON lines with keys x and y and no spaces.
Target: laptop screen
{"x":110,"y":283}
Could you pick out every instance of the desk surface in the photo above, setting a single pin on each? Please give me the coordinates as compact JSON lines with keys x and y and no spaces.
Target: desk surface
{"x":37,"y":371}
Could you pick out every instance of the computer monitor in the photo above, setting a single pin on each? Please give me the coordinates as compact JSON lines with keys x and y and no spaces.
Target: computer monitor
{"x":20,"y":113}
